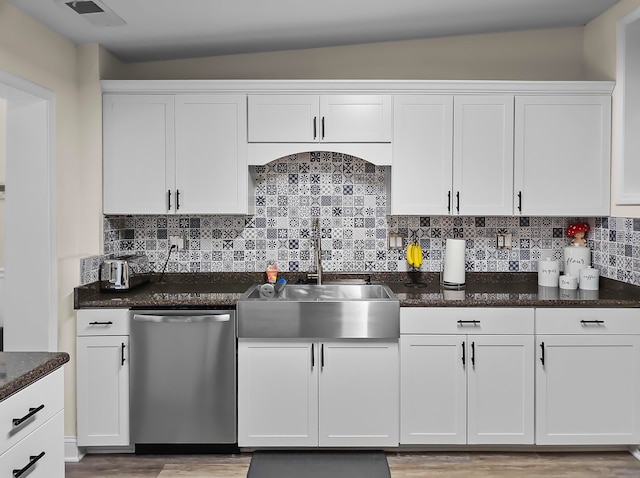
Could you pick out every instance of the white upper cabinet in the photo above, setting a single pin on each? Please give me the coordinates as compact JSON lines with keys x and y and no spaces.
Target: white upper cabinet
{"x":562,"y":155}
{"x":483,"y":155}
{"x":137,"y":153}
{"x":453,"y":155}
{"x":319,"y":118}
{"x":422,"y":154}
{"x":166,"y":154}
{"x":211,"y":172}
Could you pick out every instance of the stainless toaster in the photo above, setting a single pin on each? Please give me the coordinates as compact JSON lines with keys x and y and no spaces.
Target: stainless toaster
{"x":124,"y":272}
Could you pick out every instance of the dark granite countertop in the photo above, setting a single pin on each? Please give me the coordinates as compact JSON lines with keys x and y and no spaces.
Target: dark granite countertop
{"x":222,"y":290}
{"x":18,"y":370}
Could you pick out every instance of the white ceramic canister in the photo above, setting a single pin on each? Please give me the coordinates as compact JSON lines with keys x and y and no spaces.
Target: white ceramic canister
{"x":576,"y":258}
{"x":548,"y":273}
{"x":568,"y":282}
{"x":589,"y":278}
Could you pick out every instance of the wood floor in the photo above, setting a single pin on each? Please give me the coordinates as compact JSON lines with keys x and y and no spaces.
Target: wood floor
{"x":402,"y":465}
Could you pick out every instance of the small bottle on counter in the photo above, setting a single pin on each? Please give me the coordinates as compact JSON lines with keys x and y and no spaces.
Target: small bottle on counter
{"x":272,"y":272}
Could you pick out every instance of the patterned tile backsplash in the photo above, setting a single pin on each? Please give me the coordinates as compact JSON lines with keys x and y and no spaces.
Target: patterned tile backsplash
{"x":350,"y":198}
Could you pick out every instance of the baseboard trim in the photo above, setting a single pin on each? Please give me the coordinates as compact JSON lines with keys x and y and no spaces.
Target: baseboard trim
{"x":72,"y":454}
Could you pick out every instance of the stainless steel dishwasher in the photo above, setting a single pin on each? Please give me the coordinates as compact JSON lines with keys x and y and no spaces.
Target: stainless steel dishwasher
{"x":183,"y":381}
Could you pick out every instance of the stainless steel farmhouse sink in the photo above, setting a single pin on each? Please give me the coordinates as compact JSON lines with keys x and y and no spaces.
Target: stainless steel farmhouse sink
{"x":354,"y":311}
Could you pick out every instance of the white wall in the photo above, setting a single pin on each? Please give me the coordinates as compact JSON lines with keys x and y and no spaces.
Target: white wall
{"x":31,"y":51}
{"x":600,"y":62}
{"x":553,"y":54}
{"x":3,"y":177}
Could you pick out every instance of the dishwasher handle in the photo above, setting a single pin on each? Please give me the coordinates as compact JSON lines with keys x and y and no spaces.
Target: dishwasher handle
{"x":182,"y":318}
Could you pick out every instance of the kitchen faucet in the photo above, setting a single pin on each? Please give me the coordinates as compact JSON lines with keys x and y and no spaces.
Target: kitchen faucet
{"x":317,"y":253}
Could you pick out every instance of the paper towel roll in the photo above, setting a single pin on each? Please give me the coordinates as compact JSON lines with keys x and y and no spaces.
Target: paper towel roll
{"x":548,"y":273}
{"x":453,"y":275}
{"x":589,"y":278}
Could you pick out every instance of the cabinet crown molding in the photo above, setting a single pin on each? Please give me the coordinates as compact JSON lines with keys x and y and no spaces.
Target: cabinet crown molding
{"x":355,"y":86}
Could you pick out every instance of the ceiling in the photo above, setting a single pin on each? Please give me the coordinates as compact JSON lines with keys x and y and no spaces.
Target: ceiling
{"x":171,"y":29}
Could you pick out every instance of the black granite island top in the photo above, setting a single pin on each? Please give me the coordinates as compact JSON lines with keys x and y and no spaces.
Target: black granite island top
{"x":483,"y":289}
{"x":18,"y":370}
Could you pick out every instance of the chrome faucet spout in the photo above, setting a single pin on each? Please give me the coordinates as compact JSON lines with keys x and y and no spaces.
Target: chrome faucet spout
{"x":317,"y":253}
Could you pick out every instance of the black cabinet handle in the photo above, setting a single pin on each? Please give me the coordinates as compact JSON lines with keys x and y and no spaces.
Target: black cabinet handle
{"x":32,"y":412}
{"x":323,"y":127}
{"x":32,"y":461}
{"x":169,"y":200}
{"x":597,"y":322}
{"x":101,"y":323}
{"x":449,"y":201}
{"x":464,"y":358}
{"x":458,"y":201}
{"x":473,"y":353}
{"x":315,"y":127}
{"x":520,"y":201}
{"x":122,"y":354}
{"x":322,"y":356}
{"x":465,"y":322}
{"x":313,"y":356}
{"x":542,"y":352}
{"x":177,"y":199}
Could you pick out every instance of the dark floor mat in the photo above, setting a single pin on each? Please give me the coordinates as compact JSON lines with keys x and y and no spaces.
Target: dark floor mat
{"x":319,"y":464}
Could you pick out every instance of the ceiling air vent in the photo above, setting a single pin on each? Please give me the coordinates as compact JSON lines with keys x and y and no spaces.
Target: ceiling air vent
{"x":84,"y":7}
{"x":96,"y":12}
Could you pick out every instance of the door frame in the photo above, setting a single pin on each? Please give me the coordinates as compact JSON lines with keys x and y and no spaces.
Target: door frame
{"x":31,"y":279}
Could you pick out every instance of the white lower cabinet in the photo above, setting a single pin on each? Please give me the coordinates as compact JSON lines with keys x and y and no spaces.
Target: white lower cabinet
{"x":317,"y":393}
{"x":34,"y":447}
{"x":588,"y":378}
{"x":467,"y":388}
{"x":103,"y":377}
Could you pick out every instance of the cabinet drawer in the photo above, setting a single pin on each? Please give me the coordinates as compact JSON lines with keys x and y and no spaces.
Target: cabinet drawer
{"x":466,"y":320}
{"x":46,"y":442}
{"x":48,"y":393}
{"x":588,"y":321}
{"x":103,"y":322}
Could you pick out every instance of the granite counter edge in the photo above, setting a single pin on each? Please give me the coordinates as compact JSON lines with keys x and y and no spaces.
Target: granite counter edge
{"x":36,"y":373}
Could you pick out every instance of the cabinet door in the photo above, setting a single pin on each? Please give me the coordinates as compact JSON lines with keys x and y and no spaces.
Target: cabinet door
{"x":500,"y":377}
{"x":44,"y":448}
{"x":433,"y":389}
{"x":283,"y":118}
{"x":277,"y":393}
{"x":355,"y":118}
{"x":103,"y":390}
{"x":588,"y":390}
{"x":138,"y":152}
{"x":421,"y":176}
{"x":562,"y":155}
{"x":211,"y":173}
{"x":358,"y":394}
{"x":483,"y":155}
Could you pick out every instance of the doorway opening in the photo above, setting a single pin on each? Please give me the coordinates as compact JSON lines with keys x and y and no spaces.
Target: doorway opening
{"x":30,"y":285}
